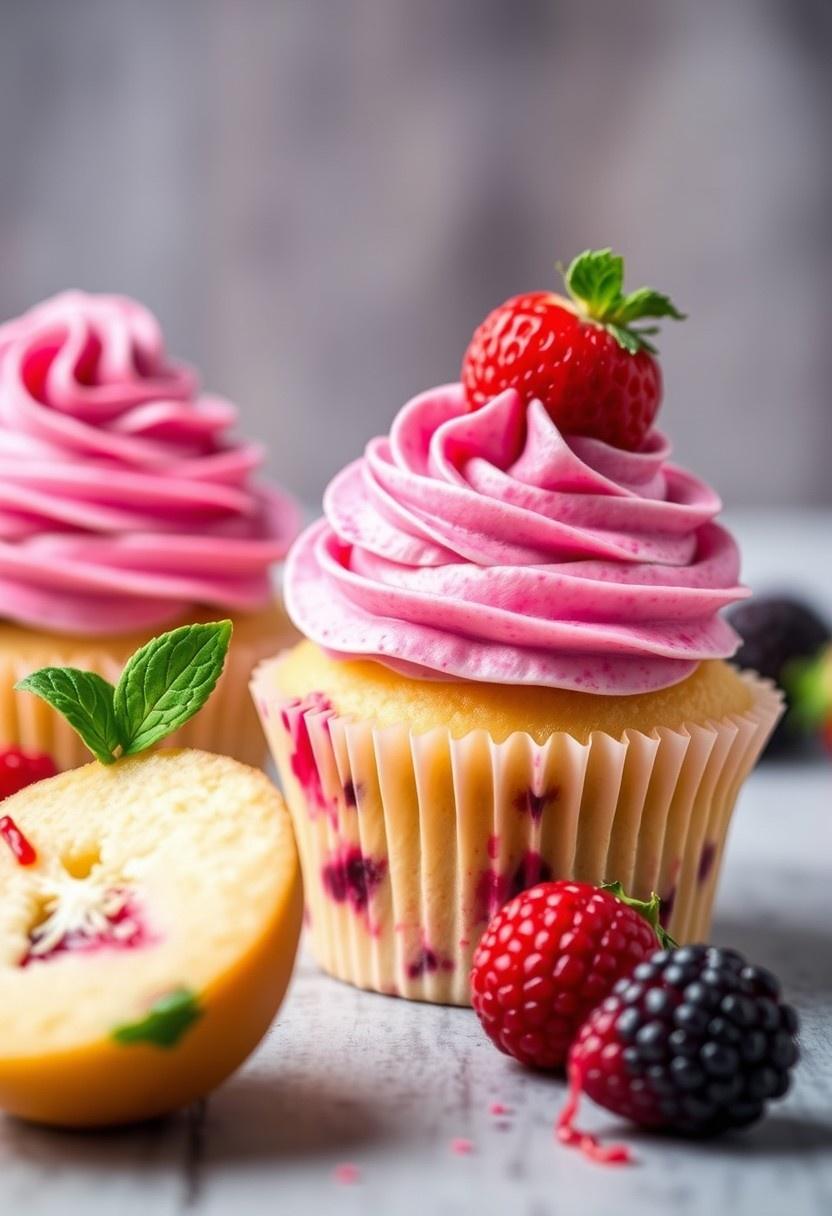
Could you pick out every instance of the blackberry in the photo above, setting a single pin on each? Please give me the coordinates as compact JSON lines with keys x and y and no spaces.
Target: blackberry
{"x":694,"y":1041}
{"x":775,"y":631}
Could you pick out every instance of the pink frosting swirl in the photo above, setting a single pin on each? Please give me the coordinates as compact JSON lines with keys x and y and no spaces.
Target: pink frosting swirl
{"x":487,"y":546}
{"x":123,"y":501}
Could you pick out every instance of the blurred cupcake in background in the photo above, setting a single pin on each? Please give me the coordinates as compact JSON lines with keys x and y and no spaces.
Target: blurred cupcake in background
{"x":127,"y":507}
{"x":515,"y":666}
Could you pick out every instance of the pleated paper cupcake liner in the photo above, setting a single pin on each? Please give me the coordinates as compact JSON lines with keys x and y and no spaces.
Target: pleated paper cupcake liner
{"x":410,"y":842}
{"x":227,"y":724}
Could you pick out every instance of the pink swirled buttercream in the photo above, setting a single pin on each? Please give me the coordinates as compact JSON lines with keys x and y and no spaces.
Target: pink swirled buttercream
{"x":488,"y":546}
{"x":123,"y":501}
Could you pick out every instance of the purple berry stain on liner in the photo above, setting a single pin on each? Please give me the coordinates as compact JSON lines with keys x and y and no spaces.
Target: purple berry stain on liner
{"x":528,"y":802}
{"x":532,"y":870}
{"x":352,"y":878}
{"x":495,"y":889}
{"x":428,"y":962}
{"x":706,"y":861}
{"x":302,"y":759}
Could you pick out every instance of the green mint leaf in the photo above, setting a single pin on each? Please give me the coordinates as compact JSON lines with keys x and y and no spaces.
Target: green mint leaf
{"x":167,"y":681}
{"x":644,"y":303}
{"x":85,"y":700}
{"x":169,"y":1018}
{"x":595,"y":279}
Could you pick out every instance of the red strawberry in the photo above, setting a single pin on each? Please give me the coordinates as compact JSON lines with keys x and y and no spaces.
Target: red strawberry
{"x":19,"y":769}
{"x":549,"y":956}
{"x":583,"y":358}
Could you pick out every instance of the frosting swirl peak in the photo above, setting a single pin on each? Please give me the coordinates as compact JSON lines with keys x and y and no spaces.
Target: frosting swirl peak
{"x":123,"y":501}
{"x":486,"y":545}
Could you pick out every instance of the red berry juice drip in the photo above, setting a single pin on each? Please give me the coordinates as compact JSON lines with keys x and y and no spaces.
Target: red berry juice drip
{"x":568,"y":1134}
{"x":23,"y":851}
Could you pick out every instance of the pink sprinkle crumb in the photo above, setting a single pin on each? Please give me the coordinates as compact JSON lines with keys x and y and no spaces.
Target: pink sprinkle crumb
{"x":347,"y":1174}
{"x":497,"y":1108}
{"x":461,"y":1147}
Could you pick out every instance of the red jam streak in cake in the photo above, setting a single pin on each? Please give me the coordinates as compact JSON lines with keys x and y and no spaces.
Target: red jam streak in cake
{"x":22,"y":850}
{"x":116,"y":923}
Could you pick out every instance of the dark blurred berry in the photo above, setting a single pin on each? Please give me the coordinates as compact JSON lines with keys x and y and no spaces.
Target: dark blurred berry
{"x":776,"y":631}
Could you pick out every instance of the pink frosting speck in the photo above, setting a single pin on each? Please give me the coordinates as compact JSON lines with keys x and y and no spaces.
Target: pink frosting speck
{"x":347,"y":1174}
{"x":461,"y":1147}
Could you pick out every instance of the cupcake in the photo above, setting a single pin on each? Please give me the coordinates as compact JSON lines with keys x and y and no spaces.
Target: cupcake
{"x":127,"y":507}
{"x":514,"y":666}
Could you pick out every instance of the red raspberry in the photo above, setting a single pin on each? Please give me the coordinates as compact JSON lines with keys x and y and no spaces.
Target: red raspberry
{"x":548,"y":957}
{"x":19,"y":769}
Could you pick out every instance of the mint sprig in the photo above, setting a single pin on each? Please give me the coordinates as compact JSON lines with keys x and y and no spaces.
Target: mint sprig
{"x":168,"y":681}
{"x":163,"y":685}
{"x":595,"y":281}
{"x":85,"y":700}
{"x":171,"y":1016}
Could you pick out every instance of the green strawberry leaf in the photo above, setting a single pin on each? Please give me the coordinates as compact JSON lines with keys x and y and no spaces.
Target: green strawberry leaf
{"x":85,"y":700}
{"x":169,"y":1019}
{"x":645,"y":303}
{"x":168,"y":681}
{"x":595,"y":281}
{"x":627,"y":338}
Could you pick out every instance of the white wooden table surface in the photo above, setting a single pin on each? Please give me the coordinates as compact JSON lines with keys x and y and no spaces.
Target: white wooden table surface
{"x":350,"y":1077}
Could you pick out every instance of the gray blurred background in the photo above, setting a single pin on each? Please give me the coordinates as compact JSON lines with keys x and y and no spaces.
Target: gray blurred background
{"x":321,"y":198}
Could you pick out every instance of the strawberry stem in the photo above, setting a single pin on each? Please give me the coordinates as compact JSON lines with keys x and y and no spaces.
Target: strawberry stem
{"x":650,"y":909}
{"x":595,"y":281}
